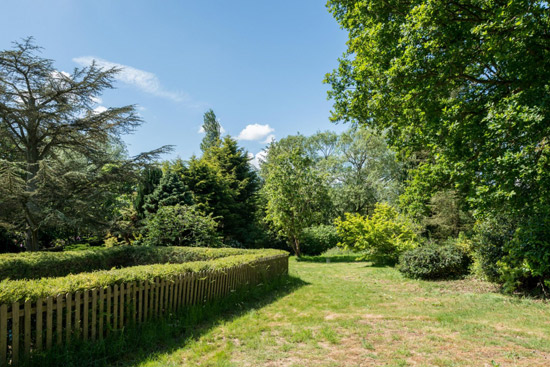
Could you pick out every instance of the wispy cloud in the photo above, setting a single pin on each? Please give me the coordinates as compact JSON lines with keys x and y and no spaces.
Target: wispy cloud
{"x":143,"y":80}
{"x":256,"y":132}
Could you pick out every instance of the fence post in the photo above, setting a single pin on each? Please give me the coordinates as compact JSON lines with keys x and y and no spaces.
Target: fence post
{"x":15,"y":333}
{"x":101,"y":312}
{"x":69,"y":314}
{"x":28,"y":316}
{"x":3,"y":335}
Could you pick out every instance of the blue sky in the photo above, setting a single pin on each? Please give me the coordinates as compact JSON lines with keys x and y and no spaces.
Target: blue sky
{"x":258,"y":64}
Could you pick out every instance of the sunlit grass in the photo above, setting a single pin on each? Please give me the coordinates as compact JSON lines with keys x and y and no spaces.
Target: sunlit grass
{"x":350,"y":314}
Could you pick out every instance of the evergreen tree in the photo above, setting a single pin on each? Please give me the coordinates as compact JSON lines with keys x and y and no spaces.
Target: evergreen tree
{"x":149,"y":180}
{"x":212,"y":130}
{"x":225,"y":185}
{"x":56,"y":165}
{"x":170,"y":191}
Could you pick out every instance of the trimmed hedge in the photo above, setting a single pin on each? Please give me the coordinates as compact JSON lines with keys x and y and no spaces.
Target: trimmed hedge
{"x":318,"y":239}
{"x":22,"y":290}
{"x":432,"y":262}
{"x":35,"y":265}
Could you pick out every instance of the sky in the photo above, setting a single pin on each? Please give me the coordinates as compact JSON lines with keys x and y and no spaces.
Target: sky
{"x":258,"y":64}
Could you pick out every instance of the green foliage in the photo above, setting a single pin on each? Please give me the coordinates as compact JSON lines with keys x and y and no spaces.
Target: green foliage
{"x":32,"y":289}
{"x":431,"y":261}
{"x":368,"y":172}
{"x":34,"y":265}
{"x":526,"y":260}
{"x":181,"y":225}
{"x":383,"y":236}
{"x":446,"y":218}
{"x":170,"y":191}
{"x":467,"y":85}
{"x":149,"y":179}
{"x":64,"y":163}
{"x":318,"y":239}
{"x":296,"y":195}
{"x":489,"y":240}
{"x":226,"y":185}
{"x":212,"y":130}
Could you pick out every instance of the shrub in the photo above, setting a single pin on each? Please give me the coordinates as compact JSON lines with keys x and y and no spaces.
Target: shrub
{"x":490,"y":237}
{"x":435,"y":262}
{"x":383,"y":236}
{"x":181,"y":225}
{"x":18,"y":290}
{"x":526,"y":263}
{"x":318,"y":239}
{"x":32,"y":265}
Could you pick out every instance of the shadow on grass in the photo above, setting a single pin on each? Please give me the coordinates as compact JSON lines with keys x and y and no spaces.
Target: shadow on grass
{"x":331,"y":259}
{"x":137,"y":343}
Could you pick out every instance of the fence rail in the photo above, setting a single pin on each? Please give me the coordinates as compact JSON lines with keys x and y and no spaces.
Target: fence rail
{"x":92,"y":314}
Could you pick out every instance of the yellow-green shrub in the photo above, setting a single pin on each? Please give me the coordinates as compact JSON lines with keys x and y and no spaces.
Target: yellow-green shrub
{"x":383,"y":236}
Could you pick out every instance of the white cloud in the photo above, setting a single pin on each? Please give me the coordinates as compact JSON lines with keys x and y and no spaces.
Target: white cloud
{"x":144,"y":80}
{"x":258,"y":159}
{"x":270,"y":139}
{"x":100,"y":109}
{"x":97,"y":100}
{"x":255,"y":132}
{"x":60,"y":74}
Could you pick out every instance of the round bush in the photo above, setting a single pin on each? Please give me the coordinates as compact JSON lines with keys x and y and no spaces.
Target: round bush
{"x":318,"y":239}
{"x":435,"y":262}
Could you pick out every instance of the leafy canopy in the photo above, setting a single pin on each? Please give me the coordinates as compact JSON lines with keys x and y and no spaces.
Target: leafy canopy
{"x":467,"y":83}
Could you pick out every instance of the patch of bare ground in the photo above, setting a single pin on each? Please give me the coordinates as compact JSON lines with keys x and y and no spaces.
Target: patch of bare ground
{"x":469,"y":285}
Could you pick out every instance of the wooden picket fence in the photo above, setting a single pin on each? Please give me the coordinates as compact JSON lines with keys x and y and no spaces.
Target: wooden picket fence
{"x":92,"y":314}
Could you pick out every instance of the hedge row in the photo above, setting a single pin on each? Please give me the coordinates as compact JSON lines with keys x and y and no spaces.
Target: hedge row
{"x":22,"y":290}
{"x":35,"y":265}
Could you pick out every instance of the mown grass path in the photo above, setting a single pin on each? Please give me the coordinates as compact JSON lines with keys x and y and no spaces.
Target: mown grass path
{"x":350,"y":314}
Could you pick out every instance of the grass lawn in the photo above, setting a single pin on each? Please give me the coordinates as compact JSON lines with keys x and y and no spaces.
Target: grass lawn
{"x":351,"y":314}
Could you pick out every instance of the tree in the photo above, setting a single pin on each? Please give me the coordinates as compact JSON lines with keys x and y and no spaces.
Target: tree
{"x":149,"y":179}
{"x":170,"y":191}
{"x":297,"y":196}
{"x":468,"y":83}
{"x":225,"y":184}
{"x":54,"y":144}
{"x":369,"y":172}
{"x":358,"y":167}
{"x":212,"y":130}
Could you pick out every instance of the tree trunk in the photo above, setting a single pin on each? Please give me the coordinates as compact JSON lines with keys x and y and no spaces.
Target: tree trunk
{"x":296,"y":246}
{"x":32,"y":243}
{"x":32,"y":239}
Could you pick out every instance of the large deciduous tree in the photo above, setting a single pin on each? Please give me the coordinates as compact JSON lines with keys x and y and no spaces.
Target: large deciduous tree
{"x":296,"y":194}
{"x":466,"y":82}
{"x":55,"y":147}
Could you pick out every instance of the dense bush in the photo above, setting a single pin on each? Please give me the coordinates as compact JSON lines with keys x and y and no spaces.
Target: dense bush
{"x":18,"y":290}
{"x":383,"y":236}
{"x":433,"y":261}
{"x":318,"y":239}
{"x":181,"y":225}
{"x":490,"y":237}
{"x":32,"y":265}
{"x":526,"y":262}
